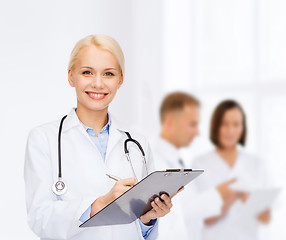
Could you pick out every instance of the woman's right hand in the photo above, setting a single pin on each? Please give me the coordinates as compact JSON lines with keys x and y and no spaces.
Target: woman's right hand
{"x":229,"y":197}
{"x":120,"y":187}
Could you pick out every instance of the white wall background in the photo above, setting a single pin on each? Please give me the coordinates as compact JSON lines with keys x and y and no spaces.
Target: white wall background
{"x":213,"y":49}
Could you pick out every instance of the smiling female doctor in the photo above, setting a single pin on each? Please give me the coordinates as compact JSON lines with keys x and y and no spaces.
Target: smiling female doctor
{"x":92,"y":145}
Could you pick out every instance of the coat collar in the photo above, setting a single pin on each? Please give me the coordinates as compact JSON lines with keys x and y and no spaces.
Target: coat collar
{"x":169,"y":151}
{"x":72,"y":121}
{"x":115,"y":130}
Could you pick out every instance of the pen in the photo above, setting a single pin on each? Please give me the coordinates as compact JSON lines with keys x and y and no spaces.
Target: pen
{"x":113,"y":177}
{"x":116,"y":178}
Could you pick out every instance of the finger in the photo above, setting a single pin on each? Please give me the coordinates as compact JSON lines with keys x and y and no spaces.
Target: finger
{"x":124,"y":188}
{"x":266,"y":211}
{"x":158,"y":210}
{"x":242,"y":194}
{"x":162,"y":205}
{"x":128,"y":181}
{"x":231,"y":181}
{"x":166,"y":199}
{"x":119,"y":189}
{"x":180,"y":190}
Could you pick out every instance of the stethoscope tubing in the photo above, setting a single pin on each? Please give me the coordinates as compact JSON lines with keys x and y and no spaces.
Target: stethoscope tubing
{"x":59,"y":191}
{"x":59,"y":148}
{"x":134,"y":141}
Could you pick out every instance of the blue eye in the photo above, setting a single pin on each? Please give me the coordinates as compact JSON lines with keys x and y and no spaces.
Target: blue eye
{"x":86,"y":73}
{"x":109,"y":74}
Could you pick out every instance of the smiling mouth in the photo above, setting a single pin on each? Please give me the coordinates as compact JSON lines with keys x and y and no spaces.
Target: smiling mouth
{"x":96,"y":96}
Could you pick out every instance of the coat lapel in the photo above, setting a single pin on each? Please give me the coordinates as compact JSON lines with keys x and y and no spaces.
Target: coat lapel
{"x":114,"y":137}
{"x":115,"y":131}
{"x":72,"y":121}
{"x":115,"y":134}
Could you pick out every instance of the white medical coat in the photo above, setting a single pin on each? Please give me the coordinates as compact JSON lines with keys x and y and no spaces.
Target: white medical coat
{"x":83,"y":171}
{"x":189,"y":208}
{"x":247,"y":168}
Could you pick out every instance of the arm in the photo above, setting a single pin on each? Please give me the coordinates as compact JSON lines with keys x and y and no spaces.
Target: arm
{"x":148,"y":221}
{"x":48,"y":215}
{"x":206,"y":202}
{"x":201,"y":204}
{"x":118,"y":189}
{"x":229,"y":197}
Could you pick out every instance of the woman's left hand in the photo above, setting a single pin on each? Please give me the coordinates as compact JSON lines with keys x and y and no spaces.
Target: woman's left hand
{"x":264,"y":217}
{"x":159,"y":208}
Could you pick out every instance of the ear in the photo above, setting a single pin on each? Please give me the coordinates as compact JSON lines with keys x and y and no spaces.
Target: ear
{"x":169,"y":119}
{"x":70,"y":78}
{"x":120,"y":82}
{"x":168,"y":123}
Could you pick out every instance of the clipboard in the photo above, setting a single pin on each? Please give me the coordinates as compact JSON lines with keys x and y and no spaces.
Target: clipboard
{"x":137,"y":200}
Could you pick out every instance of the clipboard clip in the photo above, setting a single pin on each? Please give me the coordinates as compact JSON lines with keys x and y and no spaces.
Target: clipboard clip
{"x":179,"y":170}
{"x":185,"y":171}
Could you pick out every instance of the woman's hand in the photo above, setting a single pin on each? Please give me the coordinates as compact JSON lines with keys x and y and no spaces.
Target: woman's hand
{"x":159,"y":208}
{"x":264,"y":217}
{"x":229,"y":197}
{"x":120,"y":187}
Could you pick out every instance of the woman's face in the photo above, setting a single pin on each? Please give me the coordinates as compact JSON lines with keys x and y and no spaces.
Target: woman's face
{"x":231,"y":128}
{"x":96,"y":76}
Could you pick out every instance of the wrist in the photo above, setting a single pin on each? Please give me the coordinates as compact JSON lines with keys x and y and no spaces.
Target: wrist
{"x":97,"y":205}
{"x":146,"y":221}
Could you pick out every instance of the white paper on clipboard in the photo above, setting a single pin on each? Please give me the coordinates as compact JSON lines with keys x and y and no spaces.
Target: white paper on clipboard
{"x":257,"y":202}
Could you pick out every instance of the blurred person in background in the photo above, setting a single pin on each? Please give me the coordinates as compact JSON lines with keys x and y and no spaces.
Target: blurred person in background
{"x":179,"y":113}
{"x":227,"y":161}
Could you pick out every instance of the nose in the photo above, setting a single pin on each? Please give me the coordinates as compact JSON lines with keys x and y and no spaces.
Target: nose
{"x":97,"y":82}
{"x":231,"y":129}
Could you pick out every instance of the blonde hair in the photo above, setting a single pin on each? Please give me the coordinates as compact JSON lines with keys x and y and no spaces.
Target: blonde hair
{"x":103,"y":42}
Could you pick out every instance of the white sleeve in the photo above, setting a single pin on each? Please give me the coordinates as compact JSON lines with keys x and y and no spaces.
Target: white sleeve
{"x":202,"y":202}
{"x":201,"y":205}
{"x":149,"y":159}
{"x":48,"y":215}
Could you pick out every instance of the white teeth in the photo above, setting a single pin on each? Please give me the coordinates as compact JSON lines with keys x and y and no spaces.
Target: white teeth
{"x":97,"y":95}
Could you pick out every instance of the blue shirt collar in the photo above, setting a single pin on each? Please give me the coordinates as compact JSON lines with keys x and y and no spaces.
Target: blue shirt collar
{"x":91,"y":131}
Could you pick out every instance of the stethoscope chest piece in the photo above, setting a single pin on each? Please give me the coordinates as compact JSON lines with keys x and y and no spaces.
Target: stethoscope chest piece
{"x":59,"y":187}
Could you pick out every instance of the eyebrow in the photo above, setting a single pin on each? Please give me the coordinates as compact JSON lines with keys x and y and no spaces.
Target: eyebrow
{"x":110,"y":69}
{"x":86,"y":67}
{"x":106,"y":69}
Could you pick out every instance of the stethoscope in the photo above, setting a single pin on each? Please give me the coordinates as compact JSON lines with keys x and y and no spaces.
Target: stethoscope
{"x":60,"y":188}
